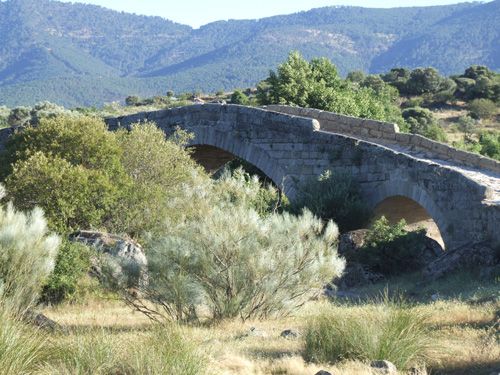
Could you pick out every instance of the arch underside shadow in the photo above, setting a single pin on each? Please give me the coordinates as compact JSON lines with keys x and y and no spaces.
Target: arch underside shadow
{"x":399,"y":207}
{"x":399,"y":199}
{"x":214,"y":149}
{"x":210,"y":157}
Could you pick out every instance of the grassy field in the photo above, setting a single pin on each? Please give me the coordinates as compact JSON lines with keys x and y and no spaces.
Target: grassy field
{"x":463,"y":321}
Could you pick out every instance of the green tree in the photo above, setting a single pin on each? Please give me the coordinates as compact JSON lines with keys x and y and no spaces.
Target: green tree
{"x":467,"y":125}
{"x":71,"y":196}
{"x":356,"y":76}
{"x":465,"y":87}
{"x":482,"y":108}
{"x":398,"y":78}
{"x":424,"y":80}
{"x":446,"y":91}
{"x":478,"y":82}
{"x":374,"y":82}
{"x":80,"y":140}
{"x":317,"y":84}
{"x":239,"y":97}
{"x":421,"y":121}
{"x":19,"y":116}
{"x":158,"y":169}
{"x":476,"y":71}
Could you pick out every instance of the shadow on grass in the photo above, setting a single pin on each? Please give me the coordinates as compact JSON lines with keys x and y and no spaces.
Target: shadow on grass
{"x":489,"y":368}
{"x":273,"y":354}
{"x":88,"y":328}
{"x":465,"y":286}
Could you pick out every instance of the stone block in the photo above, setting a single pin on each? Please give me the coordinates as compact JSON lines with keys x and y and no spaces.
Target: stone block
{"x":403,"y":138}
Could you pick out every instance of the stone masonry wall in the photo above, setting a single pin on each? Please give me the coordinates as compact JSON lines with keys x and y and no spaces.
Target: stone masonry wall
{"x":292,"y":149}
{"x":387,"y":133}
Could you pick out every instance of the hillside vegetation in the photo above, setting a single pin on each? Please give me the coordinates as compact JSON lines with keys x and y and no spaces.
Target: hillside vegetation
{"x":77,"y":55}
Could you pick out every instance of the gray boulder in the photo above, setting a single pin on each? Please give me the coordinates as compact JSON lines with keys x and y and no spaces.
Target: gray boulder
{"x":384,"y":367}
{"x":356,"y":274}
{"x":351,"y":242}
{"x":465,"y":257}
{"x":118,"y":252}
{"x":289,"y":334}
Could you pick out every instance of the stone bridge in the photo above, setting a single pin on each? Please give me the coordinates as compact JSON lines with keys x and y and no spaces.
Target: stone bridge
{"x":401,"y":175}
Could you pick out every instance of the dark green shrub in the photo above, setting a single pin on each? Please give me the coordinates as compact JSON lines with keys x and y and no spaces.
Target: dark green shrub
{"x":391,"y":249}
{"x":72,"y":264}
{"x":421,"y":121}
{"x":158,"y":170}
{"x":132,"y":100}
{"x":333,"y":196}
{"x":72,"y":197}
{"x":19,"y":116}
{"x":78,"y":140}
{"x":239,"y":97}
{"x":482,"y":108}
{"x":490,"y":144}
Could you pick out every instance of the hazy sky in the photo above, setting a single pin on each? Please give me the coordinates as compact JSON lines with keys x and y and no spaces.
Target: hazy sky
{"x":200,"y":12}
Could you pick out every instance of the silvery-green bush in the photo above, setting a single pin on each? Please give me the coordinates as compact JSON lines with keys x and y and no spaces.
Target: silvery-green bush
{"x":27,"y":255}
{"x":237,"y":263}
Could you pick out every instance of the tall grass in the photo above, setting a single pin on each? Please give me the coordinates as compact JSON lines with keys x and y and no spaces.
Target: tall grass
{"x":23,"y":349}
{"x":166,"y":351}
{"x":96,"y":352}
{"x":163,"y":350}
{"x":388,"y":330}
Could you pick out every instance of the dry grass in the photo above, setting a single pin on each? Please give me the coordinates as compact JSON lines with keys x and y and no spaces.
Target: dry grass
{"x":464,"y":331}
{"x":448,"y":118}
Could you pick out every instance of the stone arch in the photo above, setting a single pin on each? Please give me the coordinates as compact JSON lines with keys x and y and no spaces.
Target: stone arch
{"x":399,"y":207}
{"x":402,"y":189}
{"x":230,"y":144}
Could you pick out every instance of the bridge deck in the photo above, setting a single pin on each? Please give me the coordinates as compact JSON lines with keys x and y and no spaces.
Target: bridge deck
{"x":388,"y":136}
{"x":489,"y":179}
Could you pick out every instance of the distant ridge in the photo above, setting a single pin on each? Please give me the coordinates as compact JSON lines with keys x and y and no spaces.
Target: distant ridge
{"x":76,"y":54}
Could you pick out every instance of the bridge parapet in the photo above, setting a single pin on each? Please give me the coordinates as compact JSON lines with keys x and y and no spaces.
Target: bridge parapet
{"x":388,"y":134}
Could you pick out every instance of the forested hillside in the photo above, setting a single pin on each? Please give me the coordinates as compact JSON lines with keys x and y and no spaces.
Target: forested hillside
{"x":76,"y":54}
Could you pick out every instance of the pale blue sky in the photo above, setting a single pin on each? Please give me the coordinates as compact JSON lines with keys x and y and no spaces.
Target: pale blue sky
{"x":200,"y":12}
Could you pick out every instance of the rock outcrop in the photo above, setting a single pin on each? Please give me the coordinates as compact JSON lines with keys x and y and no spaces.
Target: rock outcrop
{"x":465,"y":257}
{"x":124,"y":252}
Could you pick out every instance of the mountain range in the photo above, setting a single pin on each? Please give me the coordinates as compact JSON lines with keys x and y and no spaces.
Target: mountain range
{"x":79,"y":55}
